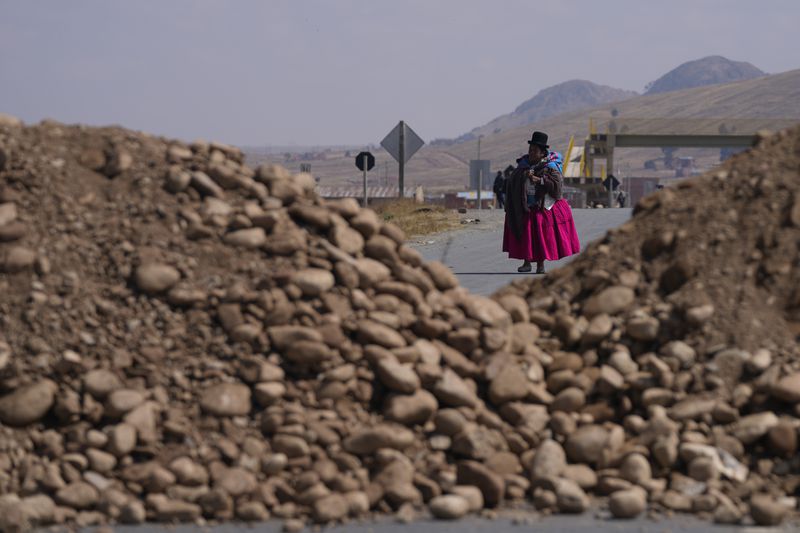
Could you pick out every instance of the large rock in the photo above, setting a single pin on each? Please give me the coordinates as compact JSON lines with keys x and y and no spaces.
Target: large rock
{"x":788,"y":388}
{"x":441,"y":275}
{"x":8,"y":213}
{"x":766,"y":511}
{"x":154,"y":278}
{"x":453,"y":391}
{"x":188,"y":472}
{"x":290,"y":446}
{"x":28,"y":403}
{"x":610,"y":301}
{"x":308,"y":352}
{"x":118,"y":161}
{"x":314,"y":281}
{"x":549,"y":461}
{"x":78,"y":495}
{"x":449,"y":506}
{"x":486,"y":311}
{"x":121,"y":401}
{"x":17,"y":259}
{"x":523,"y":336}
{"x":236,"y":481}
{"x":366,"y":222}
{"x":122,"y":439}
{"x":586,"y":444}
{"x":474,"y":473}
{"x":372,"y":332}
{"x":371,"y":272}
{"x":750,"y":428}
{"x":570,"y":498}
{"x":12,"y":514}
{"x":509,"y":384}
{"x":410,"y":409}
{"x":285,"y":336}
{"x":636,"y":469}
{"x":226,"y":399}
{"x":628,"y":503}
{"x":286,"y":243}
{"x":381,"y":248}
{"x":329,"y":508}
{"x":13,"y":231}
{"x":478,"y":443}
{"x":369,"y":440}
{"x":100,"y":382}
{"x":347,"y":239}
{"x":205,"y":185}
{"x":643,"y":328}
{"x":246,"y":238}
{"x":599,"y":328}
{"x":39,"y":509}
{"x":172,"y":510}
{"x":9,"y":121}
{"x":396,"y":376}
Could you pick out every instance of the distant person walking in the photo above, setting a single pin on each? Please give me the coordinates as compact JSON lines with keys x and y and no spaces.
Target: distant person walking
{"x":622,"y":197}
{"x":539,"y":225}
{"x":499,"y":189}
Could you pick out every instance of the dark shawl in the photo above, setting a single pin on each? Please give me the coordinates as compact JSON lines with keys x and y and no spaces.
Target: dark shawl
{"x":516,"y":201}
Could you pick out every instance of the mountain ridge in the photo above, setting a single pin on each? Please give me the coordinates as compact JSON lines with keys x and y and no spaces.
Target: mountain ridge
{"x":571,"y":95}
{"x":580,"y":94}
{"x":709,"y":70}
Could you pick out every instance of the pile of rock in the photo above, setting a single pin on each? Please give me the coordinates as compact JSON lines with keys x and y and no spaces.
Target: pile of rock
{"x":187,"y":339}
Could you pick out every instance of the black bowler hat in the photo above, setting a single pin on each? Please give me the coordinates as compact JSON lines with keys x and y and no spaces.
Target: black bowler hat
{"x":539,"y":138}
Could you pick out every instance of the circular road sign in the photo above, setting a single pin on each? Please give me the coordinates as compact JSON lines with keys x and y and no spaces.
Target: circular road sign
{"x":365,"y":157}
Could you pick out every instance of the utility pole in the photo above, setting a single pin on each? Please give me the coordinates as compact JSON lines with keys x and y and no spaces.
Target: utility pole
{"x":610,"y":142}
{"x":480,"y":171}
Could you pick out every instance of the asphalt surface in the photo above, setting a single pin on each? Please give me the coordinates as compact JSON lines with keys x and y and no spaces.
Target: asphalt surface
{"x":474,"y":252}
{"x":523,"y":523}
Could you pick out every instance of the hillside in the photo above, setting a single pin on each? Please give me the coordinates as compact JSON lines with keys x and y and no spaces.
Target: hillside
{"x":706,"y":71}
{"x":572,"y":95}
{"x":440,"y":168}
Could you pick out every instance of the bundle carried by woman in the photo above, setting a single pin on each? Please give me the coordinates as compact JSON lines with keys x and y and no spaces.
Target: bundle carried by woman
{"x":522,"y":195}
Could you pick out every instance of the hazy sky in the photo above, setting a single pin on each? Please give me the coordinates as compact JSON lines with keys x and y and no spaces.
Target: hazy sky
{"x":345,"y":71}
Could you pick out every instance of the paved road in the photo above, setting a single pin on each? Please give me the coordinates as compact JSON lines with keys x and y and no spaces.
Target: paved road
{"x":475,"y":251}
{"x":529,"y":523}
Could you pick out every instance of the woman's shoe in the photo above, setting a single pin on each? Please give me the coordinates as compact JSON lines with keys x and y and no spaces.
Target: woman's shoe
{"x":524,"y":268}
{"x":540,"y":269}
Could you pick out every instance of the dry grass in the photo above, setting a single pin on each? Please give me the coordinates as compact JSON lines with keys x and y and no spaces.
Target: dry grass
{"x":418,"y":219}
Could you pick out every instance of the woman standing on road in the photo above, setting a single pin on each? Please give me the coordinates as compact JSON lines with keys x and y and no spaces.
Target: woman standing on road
{"x":539,"y":225}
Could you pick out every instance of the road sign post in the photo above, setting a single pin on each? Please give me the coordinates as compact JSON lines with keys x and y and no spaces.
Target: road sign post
{"x":478,"y":171}
{"x":401,"y":174}
{"x":402,"y":143}
{"x":365,"y":186}
{"x":365,"y":161}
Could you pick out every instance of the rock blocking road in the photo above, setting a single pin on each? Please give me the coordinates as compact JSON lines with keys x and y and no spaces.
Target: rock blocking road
{"x":188,"y":339}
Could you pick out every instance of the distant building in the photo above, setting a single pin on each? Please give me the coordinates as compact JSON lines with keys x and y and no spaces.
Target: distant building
{"x":358,"y":192}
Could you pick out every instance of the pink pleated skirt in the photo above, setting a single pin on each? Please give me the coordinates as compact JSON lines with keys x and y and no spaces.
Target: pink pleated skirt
{"x":549,"y":235}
